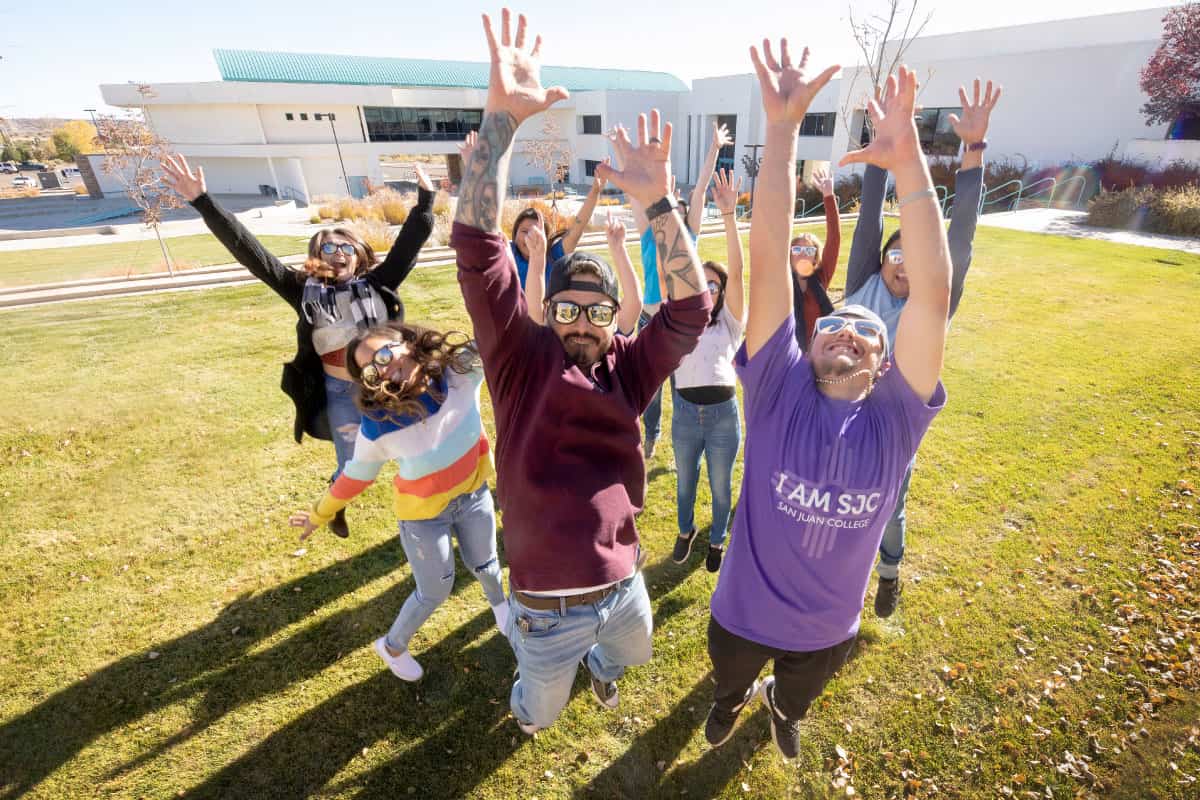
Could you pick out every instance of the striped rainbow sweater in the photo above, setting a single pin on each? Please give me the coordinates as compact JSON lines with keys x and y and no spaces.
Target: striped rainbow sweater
{"x":440,"y":456}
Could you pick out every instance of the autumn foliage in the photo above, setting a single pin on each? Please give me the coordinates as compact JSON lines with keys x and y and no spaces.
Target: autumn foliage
{"x":1172,"y":77}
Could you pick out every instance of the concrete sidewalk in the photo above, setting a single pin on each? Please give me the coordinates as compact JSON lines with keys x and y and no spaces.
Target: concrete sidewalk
{"x":1072,"y":223}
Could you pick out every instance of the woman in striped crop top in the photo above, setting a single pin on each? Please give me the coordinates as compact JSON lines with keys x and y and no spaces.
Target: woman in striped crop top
{"x":418,"y":391}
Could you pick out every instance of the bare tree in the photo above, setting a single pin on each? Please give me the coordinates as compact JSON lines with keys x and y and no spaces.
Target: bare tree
{"x":882,"y":37}
{"x":134,"y":151}
{"x":551,"y":155}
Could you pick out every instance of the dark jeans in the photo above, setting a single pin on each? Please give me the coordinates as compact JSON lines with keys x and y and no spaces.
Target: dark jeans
{"x":652,"y":416}
{"x":800,"y":677}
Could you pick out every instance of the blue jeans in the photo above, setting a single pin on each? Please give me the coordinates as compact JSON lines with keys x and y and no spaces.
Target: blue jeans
{"x":613,"y":634}
{"x":472,"y":520}
{"x":652,"y":416}
{"x":716,"y":432}
{"x":343,"y":418}
{"x":891,"y":547}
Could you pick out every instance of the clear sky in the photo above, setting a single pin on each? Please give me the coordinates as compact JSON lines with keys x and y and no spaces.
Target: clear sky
{"x":52,"y":59}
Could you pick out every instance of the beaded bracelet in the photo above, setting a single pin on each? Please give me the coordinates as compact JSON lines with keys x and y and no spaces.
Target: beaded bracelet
{"x":917,"y":196}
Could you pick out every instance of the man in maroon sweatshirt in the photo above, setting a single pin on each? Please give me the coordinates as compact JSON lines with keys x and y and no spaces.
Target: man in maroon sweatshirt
{"x":567,"y":397}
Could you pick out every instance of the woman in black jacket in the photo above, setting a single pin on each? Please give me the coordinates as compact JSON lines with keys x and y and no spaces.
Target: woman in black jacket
{"x":339,"y":293}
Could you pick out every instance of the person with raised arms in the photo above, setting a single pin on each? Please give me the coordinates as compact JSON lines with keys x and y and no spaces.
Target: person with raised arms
{"x":339,"y":293}
{"x":567,"y":396}
{"x":877,"y":278}
{"x":828,"y":433}
{"x":814,"y":264}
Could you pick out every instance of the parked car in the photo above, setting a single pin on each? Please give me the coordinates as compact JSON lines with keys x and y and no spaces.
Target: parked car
{"x":23,"y":180}
{"x":32,"y":166}
{"x":8,"y":166}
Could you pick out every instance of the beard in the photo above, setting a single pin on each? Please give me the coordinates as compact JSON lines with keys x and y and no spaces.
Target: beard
{"x":582,"y":349}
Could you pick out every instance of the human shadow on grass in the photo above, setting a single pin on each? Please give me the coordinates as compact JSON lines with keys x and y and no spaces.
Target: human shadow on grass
{"x":41,"y":740}
{"x":450,"y":730}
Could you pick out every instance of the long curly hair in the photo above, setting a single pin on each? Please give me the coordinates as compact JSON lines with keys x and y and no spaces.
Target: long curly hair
{"x":317,"y":267}
{"x":434,"y":351}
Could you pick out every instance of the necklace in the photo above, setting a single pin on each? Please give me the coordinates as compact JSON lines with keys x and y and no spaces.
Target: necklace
{"x":848,"y":378}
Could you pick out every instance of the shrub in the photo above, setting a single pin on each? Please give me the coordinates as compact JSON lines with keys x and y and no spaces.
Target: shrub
{"x":391,"y":204}
{"x":315,"y":219}
{"x":557,"y":220}
{"x":326,"y":212}
{"x":374,"y":232}
{"x":846,"y":189}
{"x":443,"y":205}
{"x":1174,"y":211}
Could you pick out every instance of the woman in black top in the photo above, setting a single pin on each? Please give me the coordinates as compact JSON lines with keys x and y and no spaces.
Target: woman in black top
{"x":339,"y":293}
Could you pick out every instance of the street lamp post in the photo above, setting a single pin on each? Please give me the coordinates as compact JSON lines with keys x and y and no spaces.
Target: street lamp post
{"x":338,"y":145}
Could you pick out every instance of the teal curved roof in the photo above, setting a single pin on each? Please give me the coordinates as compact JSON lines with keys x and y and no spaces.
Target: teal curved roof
{"x":262,"y":66}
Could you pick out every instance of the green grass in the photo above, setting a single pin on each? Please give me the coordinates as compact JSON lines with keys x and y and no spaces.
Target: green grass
{"x":51,"y":265}
{"x":161,"y":636}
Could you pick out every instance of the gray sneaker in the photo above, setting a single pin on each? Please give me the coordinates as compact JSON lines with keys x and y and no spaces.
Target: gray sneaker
{"x":785,"y":732}
{"x":720,"y":724}
{"x":683,"y":546}
{"x":605,"y":693}
{"x":887,"y":597}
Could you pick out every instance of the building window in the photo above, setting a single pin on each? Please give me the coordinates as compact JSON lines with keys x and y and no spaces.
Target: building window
{"x":590,"y":124}
{"x":589,"y":168}
{"x":317,"y":117}
{"x":303,"y":117}
{"x":289,"y":116}
{"x":725,"y":156}
{"x":818,"y":124}
{"x":390,"y":124}
{"x":937,"y":136}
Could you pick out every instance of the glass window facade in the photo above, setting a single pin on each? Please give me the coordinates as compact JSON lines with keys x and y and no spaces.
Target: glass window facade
{"x":590,"y":123}
{"x":933,"y":128}
{"x":589,"y":168}
{"x":818,"y":124}
{"x":725,"y":154}
{"x":390,"y":124}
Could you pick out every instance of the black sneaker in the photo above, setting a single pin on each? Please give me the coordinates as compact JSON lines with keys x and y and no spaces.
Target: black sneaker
{"x":605,"y":693}
{"x":649,"y":447}
{"x":887,"y":596}
{"x":683,"y":546}
{"x":720,"y":724}
{"x":713,"y":562}
{"x":338,"y":524}
{"x":784,"y":731}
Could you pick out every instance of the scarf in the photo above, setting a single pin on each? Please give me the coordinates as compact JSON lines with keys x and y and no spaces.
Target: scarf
{"x":320,"y":302}
{"x":803,"y":326}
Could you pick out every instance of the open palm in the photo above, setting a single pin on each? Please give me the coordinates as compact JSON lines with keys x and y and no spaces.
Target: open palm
{"x":178,"y":174}
{"x":972,"y":126}
{"x":646,"y":173}
{"x":895,"y":139}
{"x":515,"y":85}
{"x":787,"y":91}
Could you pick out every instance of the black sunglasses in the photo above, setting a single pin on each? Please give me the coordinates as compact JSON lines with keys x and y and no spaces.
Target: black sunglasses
{"x":599,"y":314}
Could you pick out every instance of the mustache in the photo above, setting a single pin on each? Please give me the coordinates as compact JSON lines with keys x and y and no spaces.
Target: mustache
{"x":577,"y":337}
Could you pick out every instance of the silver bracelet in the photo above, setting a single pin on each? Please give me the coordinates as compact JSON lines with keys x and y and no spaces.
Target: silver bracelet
{"x":917,"y":196}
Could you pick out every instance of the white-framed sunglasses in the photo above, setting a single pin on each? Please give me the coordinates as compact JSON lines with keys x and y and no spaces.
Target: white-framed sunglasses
{"x":804,"y":250}
{"x":895,"y":257}
{"x":835,"y":324}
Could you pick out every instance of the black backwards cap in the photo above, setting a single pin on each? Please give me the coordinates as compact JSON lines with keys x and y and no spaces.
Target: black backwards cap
{"x":562,"y":280}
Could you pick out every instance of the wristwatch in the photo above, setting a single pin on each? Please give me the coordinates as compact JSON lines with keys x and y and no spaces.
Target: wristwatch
{"x":664,"y":206}
{"x":980,"y":145}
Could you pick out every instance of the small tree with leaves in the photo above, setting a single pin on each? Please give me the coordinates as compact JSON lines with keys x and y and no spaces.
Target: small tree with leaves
{"x":551,"y":155}
{"x":883,"y":37}
{"x":1171,"y":79}
{"x":134,"y":152}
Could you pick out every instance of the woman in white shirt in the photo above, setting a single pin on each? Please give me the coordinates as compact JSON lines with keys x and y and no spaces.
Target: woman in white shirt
{"x":705,"y":419}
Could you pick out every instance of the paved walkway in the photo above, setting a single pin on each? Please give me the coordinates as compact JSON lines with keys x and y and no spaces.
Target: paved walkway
{"x":1072,"y":223}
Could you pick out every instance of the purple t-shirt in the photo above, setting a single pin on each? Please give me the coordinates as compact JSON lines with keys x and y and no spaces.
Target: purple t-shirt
{"x":820,"y":483}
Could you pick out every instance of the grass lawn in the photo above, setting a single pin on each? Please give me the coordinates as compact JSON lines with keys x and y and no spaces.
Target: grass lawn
{"x":166,"y":635}
{"x":25,"y":267}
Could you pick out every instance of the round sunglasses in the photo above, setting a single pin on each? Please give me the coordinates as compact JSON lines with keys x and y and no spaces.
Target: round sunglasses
{"x":329,"y":248}
{"x":372,"y":373}
{"x":599,"y":314}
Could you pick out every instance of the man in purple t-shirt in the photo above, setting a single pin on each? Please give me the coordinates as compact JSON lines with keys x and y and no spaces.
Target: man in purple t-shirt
{"x":828,"y":435}
{"x":567,"y":397}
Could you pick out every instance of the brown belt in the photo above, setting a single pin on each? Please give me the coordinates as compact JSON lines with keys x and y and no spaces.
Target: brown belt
{"x":336,"y":358}
{"x":539,"y":603}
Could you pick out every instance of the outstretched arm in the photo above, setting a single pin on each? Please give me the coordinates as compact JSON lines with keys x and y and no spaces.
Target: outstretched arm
{"x":574,"y":233}
{"x":238,"y":240}
{"x":833,"y":229}
{"x":868,"y":231}
{"x":921,"y":338}
{"x":695,"y":216}
{"x":402,"y":257}
{"x":535,"y":275}
{"x":786,"y":94}
{"x":968,"y":185}
{"x":725,"y":194}
{"x":631,"y":287}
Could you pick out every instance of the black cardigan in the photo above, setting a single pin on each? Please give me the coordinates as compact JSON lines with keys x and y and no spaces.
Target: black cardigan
{"x":303,"y":377}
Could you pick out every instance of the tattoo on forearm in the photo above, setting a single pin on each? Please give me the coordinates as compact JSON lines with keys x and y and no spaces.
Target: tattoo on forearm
{"x":678,"y":260}
{"x":486,"y":173}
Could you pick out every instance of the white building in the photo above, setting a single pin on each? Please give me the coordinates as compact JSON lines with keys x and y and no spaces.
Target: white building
{"x":1071,"y":95}
{"x":291,"y":121}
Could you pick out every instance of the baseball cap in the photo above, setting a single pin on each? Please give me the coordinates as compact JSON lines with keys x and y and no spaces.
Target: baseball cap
{"x":562,"y":280}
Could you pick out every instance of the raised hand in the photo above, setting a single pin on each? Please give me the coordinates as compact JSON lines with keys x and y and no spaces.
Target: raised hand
{"x":721,"y":137}
{"x":725,"y":190}
{"x":823,"y":181}
{"x":598,"y":181}
{"x":972,"y":126}
{"x":895,"y":141}
{"x":535,"y":243}
{"x":614,"y":230}
{"x":302,"y":519}
{"x":466,"y":146}
{"x":515,"y":85}
{"x":786,"y":90}
{"x":423,"y":178}
{"x":180,"y":177}
{"x":646,"y":175}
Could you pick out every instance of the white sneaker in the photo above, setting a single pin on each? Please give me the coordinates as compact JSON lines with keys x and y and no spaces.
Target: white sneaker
{"x":500,"y":612}
{"x":403,"y":666}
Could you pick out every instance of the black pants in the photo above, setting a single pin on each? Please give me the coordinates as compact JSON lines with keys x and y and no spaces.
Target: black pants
{"x":800,"y":677}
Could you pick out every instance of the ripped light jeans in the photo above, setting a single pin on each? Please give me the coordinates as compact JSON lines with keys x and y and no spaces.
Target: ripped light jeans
{"x":472,"y":520}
